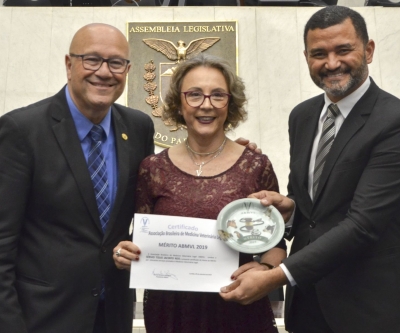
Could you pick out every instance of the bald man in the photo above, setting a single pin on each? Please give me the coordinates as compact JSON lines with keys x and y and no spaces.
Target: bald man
{"x":57,"y":274}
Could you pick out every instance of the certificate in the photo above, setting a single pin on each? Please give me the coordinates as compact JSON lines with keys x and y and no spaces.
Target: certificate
{"x":180,"y":253}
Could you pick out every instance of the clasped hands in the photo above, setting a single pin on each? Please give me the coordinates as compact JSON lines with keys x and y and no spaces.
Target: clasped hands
{"x":251,"y":281}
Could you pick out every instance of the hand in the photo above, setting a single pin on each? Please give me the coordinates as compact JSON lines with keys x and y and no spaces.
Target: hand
{"x":124,"y":253}
{"x":253,"y":285}
{"x":252,"y":265}
{"x":248,"y":144}
{"x":284,"y":205}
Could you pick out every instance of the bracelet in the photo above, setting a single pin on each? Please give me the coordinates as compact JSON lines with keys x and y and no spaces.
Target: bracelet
{"x":268,"y":265}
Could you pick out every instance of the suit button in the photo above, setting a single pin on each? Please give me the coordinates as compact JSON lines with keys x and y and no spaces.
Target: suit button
{"x":312,"y":224}
{"x":95,"y":292}
{"x":104,"y":249}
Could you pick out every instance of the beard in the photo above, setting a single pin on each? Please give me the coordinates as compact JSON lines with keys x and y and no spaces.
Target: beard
{"x":357,"y":77}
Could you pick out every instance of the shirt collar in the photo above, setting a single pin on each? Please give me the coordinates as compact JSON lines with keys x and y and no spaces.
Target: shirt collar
{"x":84,"y":125}
{"x":346,"y":104}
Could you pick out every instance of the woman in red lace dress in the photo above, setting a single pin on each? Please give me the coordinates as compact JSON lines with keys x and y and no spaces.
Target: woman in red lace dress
{"x":197,"y":179}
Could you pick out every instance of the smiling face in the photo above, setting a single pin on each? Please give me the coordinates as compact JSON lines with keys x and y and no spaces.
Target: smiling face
{"x":337,"y":59}
{"x":93,"y":92}
{"x":204,"y":121}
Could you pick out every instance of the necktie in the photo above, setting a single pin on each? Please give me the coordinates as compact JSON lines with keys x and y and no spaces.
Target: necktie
{"x":325,"y":143}
{"x":98,"y":174}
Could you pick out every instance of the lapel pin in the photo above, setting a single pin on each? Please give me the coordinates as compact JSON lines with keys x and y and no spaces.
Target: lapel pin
{"x":124,"y":136}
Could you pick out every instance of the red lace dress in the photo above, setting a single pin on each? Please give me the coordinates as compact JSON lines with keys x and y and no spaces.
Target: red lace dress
{"x":166,"y":190}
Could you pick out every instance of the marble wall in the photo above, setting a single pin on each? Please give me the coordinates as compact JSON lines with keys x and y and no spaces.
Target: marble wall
{"x":33,"y":42}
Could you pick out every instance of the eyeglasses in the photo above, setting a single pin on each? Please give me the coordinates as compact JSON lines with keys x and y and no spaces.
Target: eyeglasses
{"x":94,"y":62}
{"x":196,"y":98}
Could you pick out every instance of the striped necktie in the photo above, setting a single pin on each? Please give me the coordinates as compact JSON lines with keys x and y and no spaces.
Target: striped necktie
{"x":98,"y":174}
{"x":325,"y":143}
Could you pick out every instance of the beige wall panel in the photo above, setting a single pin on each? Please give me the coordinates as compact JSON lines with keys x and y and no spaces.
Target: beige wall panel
{"x":66,"y":21}
{"x":369,"y":15}
{"x":2,"y":102}
{"x":247,"y":66}
{"x":387,"y":39}
{"x":5,"y":30}
{"x":351,"y":3}
{"x":29,"y":46}
{"x":278,"y":83}
{"x":307,"y":87}
{"x":34,"y":41}
{"x":17,"y":99}
{"x":182,"y":14}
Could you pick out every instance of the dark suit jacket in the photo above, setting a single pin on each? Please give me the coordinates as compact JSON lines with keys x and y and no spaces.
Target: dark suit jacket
{"x":52,"y":250}
{"x":353,"y":226}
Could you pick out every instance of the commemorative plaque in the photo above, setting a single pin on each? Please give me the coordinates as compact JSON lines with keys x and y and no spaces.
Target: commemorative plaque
{"x":249,"y":227}
{"x":156,"y":49}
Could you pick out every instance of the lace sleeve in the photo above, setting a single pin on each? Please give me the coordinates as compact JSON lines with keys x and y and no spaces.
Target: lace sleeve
{"x":268,"y":181}
{"x":144,"y":199}
{"x":267,"y":178}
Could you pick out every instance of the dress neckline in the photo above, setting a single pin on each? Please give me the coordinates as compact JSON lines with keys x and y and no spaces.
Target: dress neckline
{"x":165,"y":151}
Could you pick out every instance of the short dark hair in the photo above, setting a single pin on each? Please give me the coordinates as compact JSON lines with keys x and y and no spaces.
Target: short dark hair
{"x":332,"y":15}
{"x":236,"y":110}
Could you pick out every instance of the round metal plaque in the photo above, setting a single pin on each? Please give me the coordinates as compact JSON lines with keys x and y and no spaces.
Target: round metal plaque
{"x":247,"y":226}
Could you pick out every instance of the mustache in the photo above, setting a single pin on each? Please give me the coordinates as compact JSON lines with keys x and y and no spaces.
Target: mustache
{"x":340,"y":70}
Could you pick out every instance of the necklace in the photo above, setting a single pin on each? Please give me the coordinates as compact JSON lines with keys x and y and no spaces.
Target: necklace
{"x":204,"y":154}
{"x":201,"y":164}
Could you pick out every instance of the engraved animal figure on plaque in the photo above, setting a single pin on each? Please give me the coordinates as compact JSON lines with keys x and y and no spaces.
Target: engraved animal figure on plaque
{"x":181,"y":52}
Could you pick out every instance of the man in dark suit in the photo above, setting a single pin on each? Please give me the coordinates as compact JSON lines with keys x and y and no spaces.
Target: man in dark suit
{"x":57,"y":274}
{"x":344,"y":198}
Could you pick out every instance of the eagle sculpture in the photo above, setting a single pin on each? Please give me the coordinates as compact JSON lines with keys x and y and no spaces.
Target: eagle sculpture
{"x":181,"y":52}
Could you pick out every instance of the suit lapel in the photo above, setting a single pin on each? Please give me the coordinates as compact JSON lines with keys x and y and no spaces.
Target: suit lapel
{"x":352,"y":124}
{"x":122,"y":146}
{"x":309,"y":127}
{"x":306,"y":134}
{"x":65,"y":132}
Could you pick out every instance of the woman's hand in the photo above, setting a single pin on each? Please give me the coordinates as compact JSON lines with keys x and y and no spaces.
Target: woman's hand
{"x":124,"y":253}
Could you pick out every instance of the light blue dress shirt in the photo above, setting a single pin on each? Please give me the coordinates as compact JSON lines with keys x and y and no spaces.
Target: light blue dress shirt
{"x":83,"y":126}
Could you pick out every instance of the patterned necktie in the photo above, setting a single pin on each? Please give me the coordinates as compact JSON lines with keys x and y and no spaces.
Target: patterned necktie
{"x":98,"y":174}
{"x":325,"y":143}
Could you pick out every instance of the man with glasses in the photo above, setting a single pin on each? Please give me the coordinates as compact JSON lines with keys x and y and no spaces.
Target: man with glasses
{"x":68,"y":168}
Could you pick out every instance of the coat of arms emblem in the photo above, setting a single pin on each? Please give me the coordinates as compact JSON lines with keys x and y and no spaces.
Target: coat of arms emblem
{"x":154,"y":60}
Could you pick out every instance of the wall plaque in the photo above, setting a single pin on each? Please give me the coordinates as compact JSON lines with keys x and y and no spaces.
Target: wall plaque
{"x":156,"y":49}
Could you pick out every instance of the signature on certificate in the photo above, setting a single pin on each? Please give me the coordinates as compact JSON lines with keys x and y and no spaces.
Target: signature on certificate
{"x":164,"y":275}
